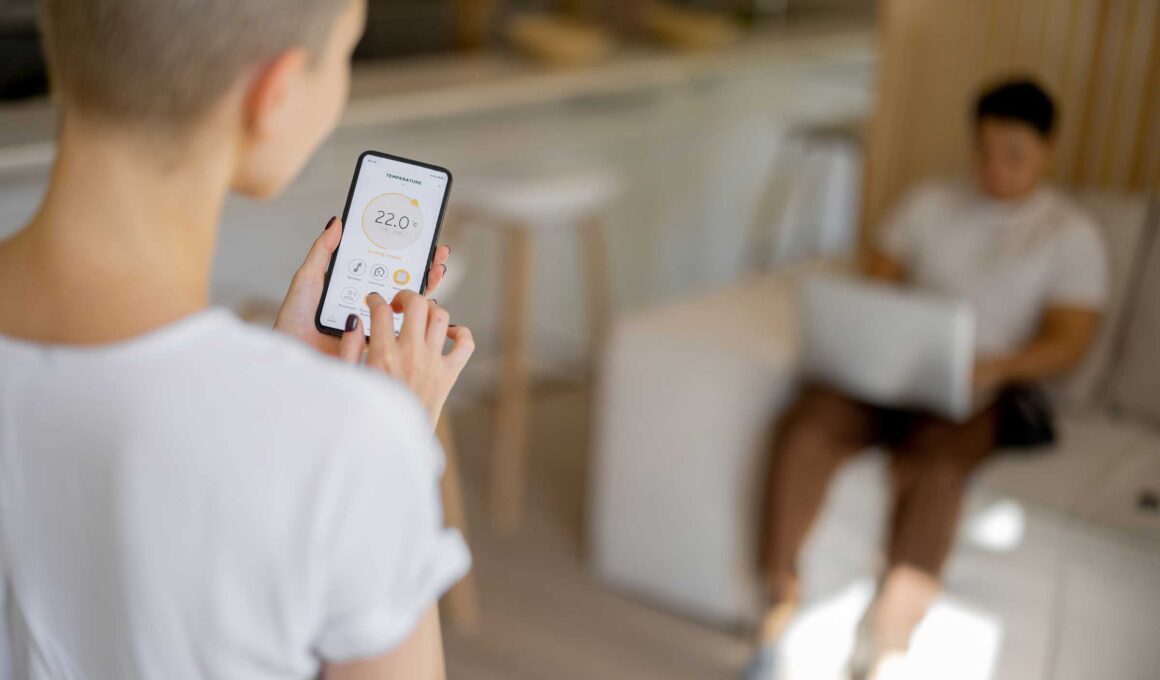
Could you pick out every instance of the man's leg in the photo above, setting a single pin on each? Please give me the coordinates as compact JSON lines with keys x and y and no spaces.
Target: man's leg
{"x":929,"y":472}
{"x":818,"y":433}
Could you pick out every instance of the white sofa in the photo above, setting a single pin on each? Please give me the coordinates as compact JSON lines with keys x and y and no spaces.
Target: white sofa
{"x":1056,"y":573}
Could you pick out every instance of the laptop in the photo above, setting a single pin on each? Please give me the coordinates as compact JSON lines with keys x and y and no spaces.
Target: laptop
{"x":888,"y":347}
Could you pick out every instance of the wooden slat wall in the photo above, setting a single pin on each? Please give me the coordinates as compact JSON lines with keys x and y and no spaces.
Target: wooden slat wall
{"x":1100,"y":58}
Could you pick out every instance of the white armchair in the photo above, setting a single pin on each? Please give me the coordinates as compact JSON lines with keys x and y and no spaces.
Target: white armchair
{"x":689,"y":397}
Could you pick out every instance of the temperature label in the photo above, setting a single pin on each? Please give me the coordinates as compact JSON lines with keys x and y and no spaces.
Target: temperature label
{"x":392,"y":221}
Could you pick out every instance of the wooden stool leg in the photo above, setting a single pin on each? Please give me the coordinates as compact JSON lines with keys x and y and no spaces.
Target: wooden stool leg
{"x":461,"y":602}
{"x":508,"y":463}
{"x":598,"y":288}
{"x":473,"y":20}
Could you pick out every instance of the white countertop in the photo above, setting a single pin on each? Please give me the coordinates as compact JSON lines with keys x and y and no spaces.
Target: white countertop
{"x":403,"y":90}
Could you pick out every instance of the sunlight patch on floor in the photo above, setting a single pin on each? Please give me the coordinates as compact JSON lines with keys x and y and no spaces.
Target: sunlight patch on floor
{"x":955,"y":642}
{"x":818,"y":644}
{"x":1000,"y":527}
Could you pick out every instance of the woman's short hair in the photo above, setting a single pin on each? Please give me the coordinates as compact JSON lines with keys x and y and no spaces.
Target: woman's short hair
{"x":1019,"y":99}
{"x":168,"y":61}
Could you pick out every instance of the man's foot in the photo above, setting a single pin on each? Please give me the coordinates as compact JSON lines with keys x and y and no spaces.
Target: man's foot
{"x":869,"y":662}
{"x":775,"y":622}
{"x":865,"y":650}
{"x":889,"y":666}
{"x":773,"y":625}
{"x":884,"y":633}
{"x":906,"y":596}
{"x":762,"y":665}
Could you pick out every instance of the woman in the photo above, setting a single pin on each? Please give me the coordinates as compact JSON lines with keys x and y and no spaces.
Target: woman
{"x":1032,"y":266}
{"x":182,"y":495}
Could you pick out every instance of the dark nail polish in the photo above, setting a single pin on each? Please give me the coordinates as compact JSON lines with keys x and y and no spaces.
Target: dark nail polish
{"x":351,"y":322}
{"x":448,"y":250}
{"x":330,"y":223}
{"x":444,"y":269}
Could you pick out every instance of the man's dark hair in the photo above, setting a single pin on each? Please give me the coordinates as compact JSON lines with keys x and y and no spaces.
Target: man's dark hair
{"x":1021,"y":100}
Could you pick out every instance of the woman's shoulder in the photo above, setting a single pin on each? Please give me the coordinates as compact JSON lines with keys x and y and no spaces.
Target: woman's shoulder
{"x":266,"y":361}
{"x":312,"y":406}
{"x":262,"y":375}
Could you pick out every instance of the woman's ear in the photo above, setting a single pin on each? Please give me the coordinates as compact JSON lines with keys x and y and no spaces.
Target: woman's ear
{"x":270,"y":92}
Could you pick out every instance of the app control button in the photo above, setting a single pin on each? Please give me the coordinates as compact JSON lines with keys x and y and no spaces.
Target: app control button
{"x":379,"y":272}
{"x":350,"y":295}
{"x":357,"y":267}
{"x":402,"y":277}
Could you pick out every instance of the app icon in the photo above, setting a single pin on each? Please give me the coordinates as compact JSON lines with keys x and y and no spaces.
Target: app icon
{"x":402,"y":277}
{"x":357,"y":267}
{"x":350,"y":295}
{"x":379,"y":272}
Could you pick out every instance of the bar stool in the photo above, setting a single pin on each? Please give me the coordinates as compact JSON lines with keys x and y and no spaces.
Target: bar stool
{"x":517,"y":206}
{"x":461,"y":602}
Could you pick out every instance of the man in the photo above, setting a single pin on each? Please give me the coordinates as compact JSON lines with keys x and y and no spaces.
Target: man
{"x":1032,"y":266}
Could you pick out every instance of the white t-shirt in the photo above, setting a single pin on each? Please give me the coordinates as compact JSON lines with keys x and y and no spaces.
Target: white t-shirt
{"x":1010,"y":262}
{"x":211,"y":500}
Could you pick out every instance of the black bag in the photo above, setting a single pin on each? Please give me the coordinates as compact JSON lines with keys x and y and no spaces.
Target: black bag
{"x":1025,"y":418}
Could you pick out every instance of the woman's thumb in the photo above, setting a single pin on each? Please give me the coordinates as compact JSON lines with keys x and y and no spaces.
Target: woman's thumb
{"x":354,"y":341}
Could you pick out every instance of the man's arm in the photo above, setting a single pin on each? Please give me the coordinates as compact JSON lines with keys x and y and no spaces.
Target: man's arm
{"x":419,"y":657}
{"x":1064,"y":337}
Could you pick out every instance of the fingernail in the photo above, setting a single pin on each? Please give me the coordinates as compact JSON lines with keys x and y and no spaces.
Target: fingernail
{"x":375,"y":295}
{"x":352,"y":322}
{"x":444,"y":265}
{"x":435,"y":300}
{"x":453,"y":325}
{"x":448,"y":250}
{"x":330,"y":222}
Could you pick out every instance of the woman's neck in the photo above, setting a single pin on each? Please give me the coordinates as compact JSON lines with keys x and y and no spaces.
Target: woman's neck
{"x":123,"y":242}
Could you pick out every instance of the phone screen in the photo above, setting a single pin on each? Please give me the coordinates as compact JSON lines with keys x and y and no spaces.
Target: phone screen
{"x":390,"y":224}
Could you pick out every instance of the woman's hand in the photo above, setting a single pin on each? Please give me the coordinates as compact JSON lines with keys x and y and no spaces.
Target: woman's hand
{"x":416,"y":356}
{"x":296,"y":316}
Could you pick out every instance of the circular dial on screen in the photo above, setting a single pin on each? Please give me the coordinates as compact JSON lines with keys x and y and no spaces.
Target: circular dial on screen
{"x":392,"y":221}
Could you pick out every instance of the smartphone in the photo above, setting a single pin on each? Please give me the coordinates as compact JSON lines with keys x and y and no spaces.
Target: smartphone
{"x":390,"y":228}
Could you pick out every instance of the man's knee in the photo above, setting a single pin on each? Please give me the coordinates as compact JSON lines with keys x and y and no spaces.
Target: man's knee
{"x":824,"y":402}
{"x":946,"y":447}
{"x":823,"y":419}
{"x":970,"y":437}
{"x":944,"y":474}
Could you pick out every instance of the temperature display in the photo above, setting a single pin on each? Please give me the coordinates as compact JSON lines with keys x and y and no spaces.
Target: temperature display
{"x":392,"y":221}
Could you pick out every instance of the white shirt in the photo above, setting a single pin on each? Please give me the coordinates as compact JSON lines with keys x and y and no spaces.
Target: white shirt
{"x":210,"y":500}
{"x":1010,"y":262}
